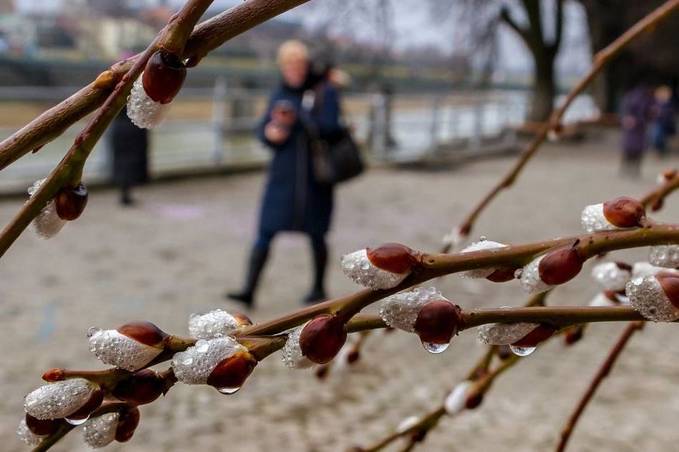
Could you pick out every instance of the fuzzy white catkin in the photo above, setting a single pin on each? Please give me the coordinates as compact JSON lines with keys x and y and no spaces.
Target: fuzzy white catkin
{"x":481,"y":245}
{"x":116,"y":349}
{"x":357,"y":267}
{"x":143,"y":111}
{"x":47,"y":223}
{"x":60,"y":399}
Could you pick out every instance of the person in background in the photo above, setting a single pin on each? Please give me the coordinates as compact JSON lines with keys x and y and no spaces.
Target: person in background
{"x":663,"y":119}
{"x":636,"y":114}
{"x":130,"y":146}
{"x":293,"y":200}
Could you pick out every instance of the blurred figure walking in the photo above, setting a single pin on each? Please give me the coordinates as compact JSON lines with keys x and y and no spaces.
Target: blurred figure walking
{"x":294,"y":200}
{"x":664,"y":126}
{"x":636,"y":114}
{"x":130,"y":145}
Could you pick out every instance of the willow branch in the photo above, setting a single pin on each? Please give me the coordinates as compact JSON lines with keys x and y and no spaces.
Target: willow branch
{"x":599,"y":377}
{"x":656,"y":198}
{"x":601,"y":59}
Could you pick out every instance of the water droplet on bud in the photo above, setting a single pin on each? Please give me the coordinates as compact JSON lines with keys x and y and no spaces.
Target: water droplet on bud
{"x":434,"y":348}
{"x":228,"y":391}
{"x":77,"y":421}
{"x":521,"y":351}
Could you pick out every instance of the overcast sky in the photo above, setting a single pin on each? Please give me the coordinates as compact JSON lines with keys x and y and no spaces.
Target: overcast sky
{"x":414,"y":26}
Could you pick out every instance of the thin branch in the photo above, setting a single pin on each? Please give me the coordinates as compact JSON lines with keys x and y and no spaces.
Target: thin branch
{"x":599,"y":377}
{"x":602,"y":58}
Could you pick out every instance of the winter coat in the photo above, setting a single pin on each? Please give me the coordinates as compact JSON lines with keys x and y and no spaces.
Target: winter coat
{"x":293,"y":200}
{"x":637,"y":104}
{"x":129,"y":145}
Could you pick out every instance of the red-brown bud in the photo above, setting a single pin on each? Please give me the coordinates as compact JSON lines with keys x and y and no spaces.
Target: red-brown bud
{"x":144,"y":332}
{"x":127,"y":423}
{"x":230,"y":374}
{"x":573,"y":335}
{"x":322,"y":338}
{"x":624,"y":212}
{"x":474,"y":400}
{"x":163,"y":76}
{"x":502,"y":274}
{"x":92,"y":404}
{"x":53,"y":375}
{"x":541,"y":333}
{"x":71,"y":201}
{"x":560,"y":266}
{"x":392,"y":257}
{"x":42,"y":427}
{"x":322,"y":372}
{"x":140,"y":388}
{"x":438,"y":321}
{"x":669,"y":282}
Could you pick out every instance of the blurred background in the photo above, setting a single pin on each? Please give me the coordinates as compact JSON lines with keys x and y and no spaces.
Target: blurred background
{"x":442,"y":96}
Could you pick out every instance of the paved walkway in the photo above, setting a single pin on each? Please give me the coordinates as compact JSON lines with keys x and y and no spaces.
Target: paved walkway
{"x":186,"y":243}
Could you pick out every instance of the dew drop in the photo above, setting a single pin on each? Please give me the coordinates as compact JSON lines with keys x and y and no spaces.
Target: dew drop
{"x":228,"y":391}
{"x":522,"y":351}
{"x":435,"y":348}
{"x":77,"y":421}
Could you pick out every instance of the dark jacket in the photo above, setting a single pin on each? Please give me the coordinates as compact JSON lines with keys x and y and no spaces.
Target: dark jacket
{"x":129,"y":145}
{"x":637,"y":104}
{"x":293,"y":200}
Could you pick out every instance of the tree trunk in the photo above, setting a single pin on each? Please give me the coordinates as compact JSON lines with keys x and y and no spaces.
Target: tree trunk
{"x":544,"y":87}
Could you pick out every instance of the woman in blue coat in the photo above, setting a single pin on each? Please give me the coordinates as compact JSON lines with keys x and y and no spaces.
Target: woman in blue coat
{"x":293,"y":200}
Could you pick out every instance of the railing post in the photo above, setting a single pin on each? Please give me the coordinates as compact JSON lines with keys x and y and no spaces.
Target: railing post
{"x":218,"y":119}
{"x":477,"y":131}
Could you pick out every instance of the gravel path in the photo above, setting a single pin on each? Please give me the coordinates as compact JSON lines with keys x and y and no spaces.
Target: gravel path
{"x":186,"y":243}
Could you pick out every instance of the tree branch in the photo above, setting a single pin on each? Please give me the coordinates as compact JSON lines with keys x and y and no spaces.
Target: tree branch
{"x":599,"y":377}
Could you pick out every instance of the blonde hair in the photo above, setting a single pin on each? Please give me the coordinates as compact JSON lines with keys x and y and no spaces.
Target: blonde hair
{"x":292,"y":50}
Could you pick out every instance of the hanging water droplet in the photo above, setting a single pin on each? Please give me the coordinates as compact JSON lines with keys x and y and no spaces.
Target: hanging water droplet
{"x":228,"y":391}
{"x":77,"y":421}
{"x":522,"y":351}
{"x":435,"y":348}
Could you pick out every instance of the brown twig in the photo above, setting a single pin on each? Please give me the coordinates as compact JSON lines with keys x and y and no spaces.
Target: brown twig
{"x":599,"y":377}
{"x":602,"y":58}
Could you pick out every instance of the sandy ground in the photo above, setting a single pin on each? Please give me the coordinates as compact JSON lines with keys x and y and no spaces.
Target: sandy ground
{"x":186,"y":243}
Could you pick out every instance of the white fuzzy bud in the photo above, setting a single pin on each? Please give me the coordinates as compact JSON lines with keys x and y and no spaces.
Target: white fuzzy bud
{"x":666,"y":256}
{"x":530,"y":280}
{"x":504,"y":333}
{"x":143,"y":111}
{"x":116,"y":349}
{"x":610,"y":276}
{"x":216,"y":323}
{"x":401,"y":310}
{"x":647,"y":296}
{"x":194,"y":365}
{"x":47,"y":223}
{"x":60,"y":399}
{"x":456,"y":400}
{"x":481,"y":245}
{"x":291,"y":354}
{"x":359,"y":269}
{"x":100,"y":431}
{"x":593,"y":219}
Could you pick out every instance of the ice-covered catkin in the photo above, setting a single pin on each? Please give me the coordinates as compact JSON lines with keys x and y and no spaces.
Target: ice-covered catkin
{"x":612,"y":275}
{"x":153,"y":91}
{"x":481,"y":245}
{"x":618,"y":213}
{"x":291,"y":354}
{"x":100,"y":431}
{"x":60,"y":399}
{"x":47,"y":223}
{"x":666,"y":256}
{"x":504,"y":333}
{"x":530,"y":277}
{"x":456,"y":400}
{"x":131,"y":347}
{"x":383,"y":267}
{"x":656,"y":297}
{"x":216,"y":323}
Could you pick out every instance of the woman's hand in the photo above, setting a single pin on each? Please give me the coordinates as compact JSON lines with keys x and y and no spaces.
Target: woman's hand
{"x":276,"y":133}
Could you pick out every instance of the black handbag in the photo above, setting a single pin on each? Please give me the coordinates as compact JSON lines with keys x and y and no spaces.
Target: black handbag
{"x":335,"y":159}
